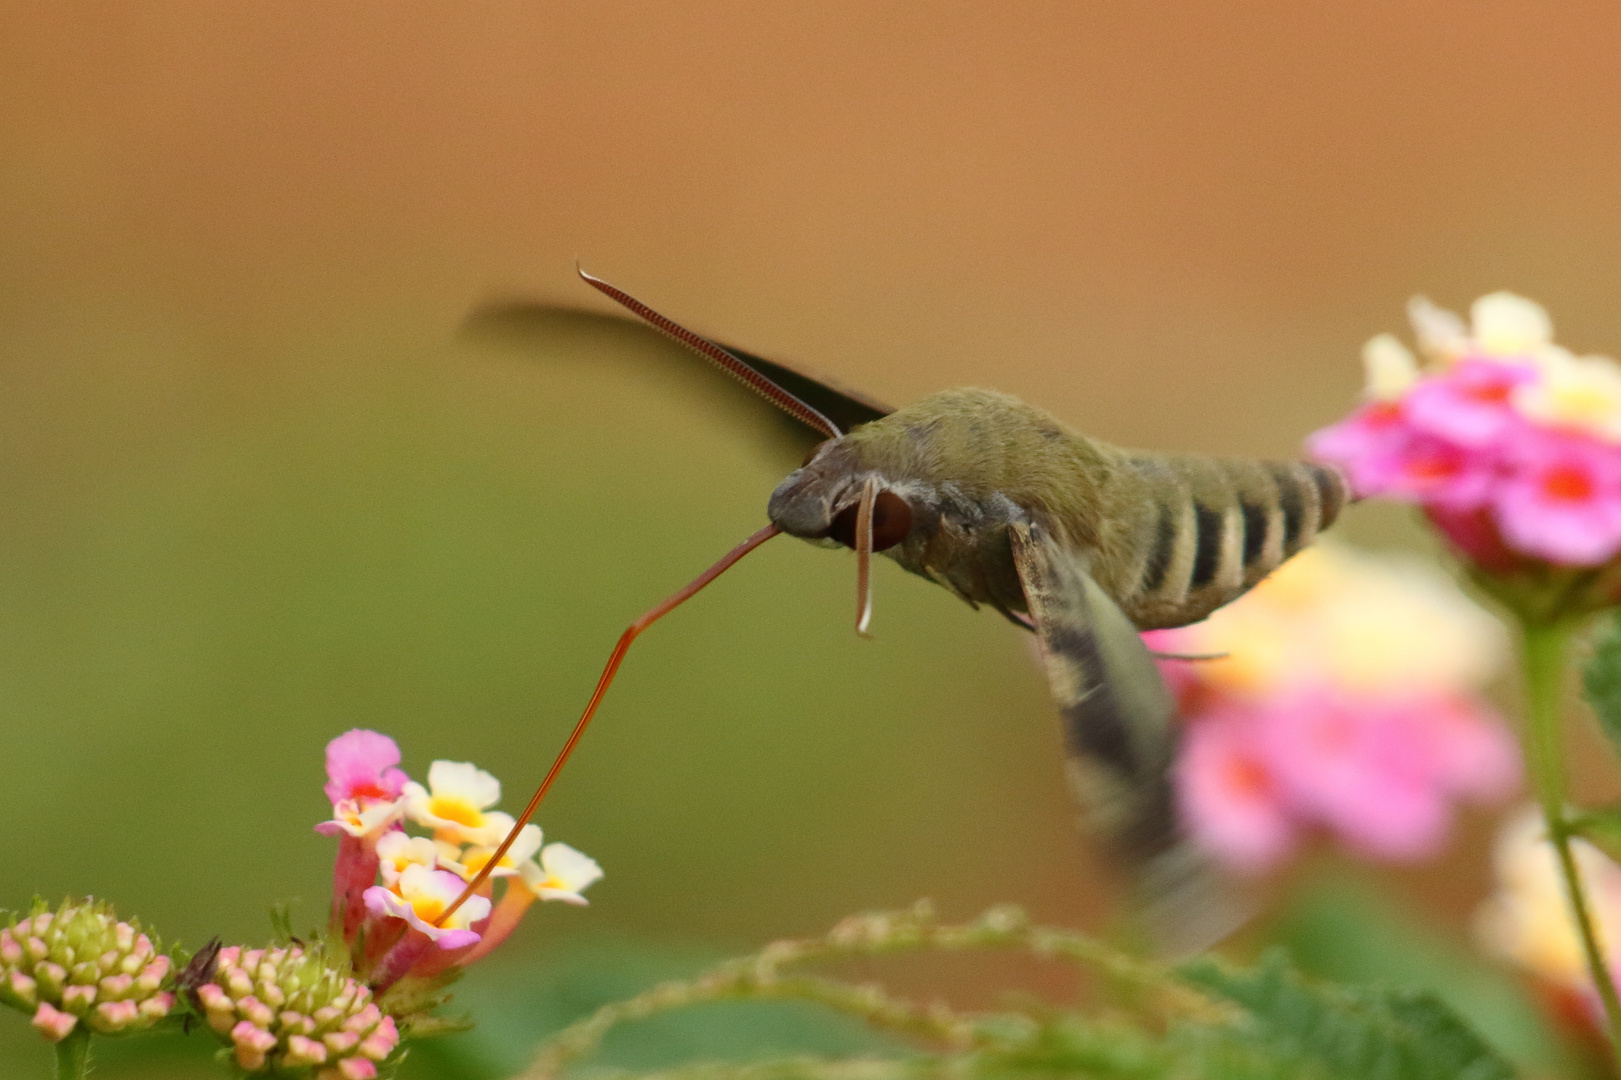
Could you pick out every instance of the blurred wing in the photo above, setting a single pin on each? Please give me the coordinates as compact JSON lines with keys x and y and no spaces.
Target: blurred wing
{"x":1120,"y":741}
{"x":553,"y":332}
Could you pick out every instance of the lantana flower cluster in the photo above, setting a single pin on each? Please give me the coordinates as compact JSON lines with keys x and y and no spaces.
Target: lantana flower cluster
{"x":393,"y":890}
{"x":337,"y":1010}
{"x":81,"y":965}
{"x":1345,"y":699}
{"x":1511,"y":443}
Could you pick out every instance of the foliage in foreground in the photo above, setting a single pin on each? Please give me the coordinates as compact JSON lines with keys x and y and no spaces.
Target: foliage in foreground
{"x":1203,"y":1019}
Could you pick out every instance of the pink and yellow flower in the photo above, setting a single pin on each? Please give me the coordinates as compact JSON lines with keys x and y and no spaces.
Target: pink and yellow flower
{"x":363,"y":783}
{"x":421,"y":896}
{"x":1510,"y":443}
{"x":1346,"y":702}
{"x":402,"y":927}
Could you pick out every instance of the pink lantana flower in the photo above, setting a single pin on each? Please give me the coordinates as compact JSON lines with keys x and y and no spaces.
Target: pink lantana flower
{"x":1347,"y":703}
{"x":401,"y":927}
{"x":1562,"y":499}
{"x":1230,"y":793}
{"x":1511,"y":444}
{"x":1473,"y":406}
{"x":1352,"y":763}
{"x":366,"y":789}
{"x":363,"y":783}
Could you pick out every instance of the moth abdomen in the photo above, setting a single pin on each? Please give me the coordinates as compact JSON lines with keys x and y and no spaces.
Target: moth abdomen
{"x":1211,"y":528}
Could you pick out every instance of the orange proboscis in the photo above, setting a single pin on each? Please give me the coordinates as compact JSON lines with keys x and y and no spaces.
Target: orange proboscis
{"x":608,"y":673}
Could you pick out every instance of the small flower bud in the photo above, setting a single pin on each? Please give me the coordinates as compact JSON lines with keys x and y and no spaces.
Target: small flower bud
{"x":23,"y":989}
{"x":81,"y":963}
{"x":116,"y":1015}
{"x":323,"y":1017}
{"x":52,"y":1023}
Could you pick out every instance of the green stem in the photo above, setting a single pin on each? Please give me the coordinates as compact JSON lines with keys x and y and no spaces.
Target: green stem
{"x":73,"y":1054}
{"x":1544,"y":660}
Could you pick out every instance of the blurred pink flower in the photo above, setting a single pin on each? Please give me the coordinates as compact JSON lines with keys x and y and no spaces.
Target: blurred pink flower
{"x":1347,"y":703}
{"x":1501,"y":421}
{"x":1472,"y":406}
{"x":1355,"y":765}
{"x":1230,"y":794}
{"x":1562,"y":502}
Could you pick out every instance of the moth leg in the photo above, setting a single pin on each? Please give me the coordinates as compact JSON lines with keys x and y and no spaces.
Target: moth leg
{"x":869,"y":496}
{"x":1192,"y":658}
{"x":1023,"y":622}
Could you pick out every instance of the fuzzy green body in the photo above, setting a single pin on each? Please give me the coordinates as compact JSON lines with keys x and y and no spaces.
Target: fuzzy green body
{"x":1169,"y":537}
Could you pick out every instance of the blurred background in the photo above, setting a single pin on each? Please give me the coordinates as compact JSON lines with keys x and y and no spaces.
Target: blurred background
{"x":260,"y":487}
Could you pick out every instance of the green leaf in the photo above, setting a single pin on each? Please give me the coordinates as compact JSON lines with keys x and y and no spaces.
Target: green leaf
{"x":1345,"y":930}
{"x":1340,"y":1032}
{"x":1601,"y":680}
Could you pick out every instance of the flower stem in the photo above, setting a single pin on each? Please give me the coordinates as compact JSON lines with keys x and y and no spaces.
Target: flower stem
{"x":73,"y":1054}
{"x":1546,"y":642}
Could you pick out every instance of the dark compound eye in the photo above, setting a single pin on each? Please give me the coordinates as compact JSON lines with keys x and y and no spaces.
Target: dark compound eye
{"x":891,"y":521}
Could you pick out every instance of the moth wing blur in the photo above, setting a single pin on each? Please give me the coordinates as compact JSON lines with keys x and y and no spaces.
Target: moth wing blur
{"x":553,"y":332}
{"x":1119,"y":729}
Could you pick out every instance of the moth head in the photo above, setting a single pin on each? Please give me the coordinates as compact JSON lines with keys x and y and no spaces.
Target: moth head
{"x":821,"y":499}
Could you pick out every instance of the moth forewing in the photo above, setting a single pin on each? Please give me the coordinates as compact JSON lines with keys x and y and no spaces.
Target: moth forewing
{"x":1115,"y":712}
{"x":1118,"y":726}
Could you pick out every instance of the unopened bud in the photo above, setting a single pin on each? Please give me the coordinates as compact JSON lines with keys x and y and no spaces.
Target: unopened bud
{"x":80,"y":963}
{"x":321,"y":1018}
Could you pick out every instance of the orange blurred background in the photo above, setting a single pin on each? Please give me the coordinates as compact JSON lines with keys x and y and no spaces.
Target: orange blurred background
{"x":258,"y":490}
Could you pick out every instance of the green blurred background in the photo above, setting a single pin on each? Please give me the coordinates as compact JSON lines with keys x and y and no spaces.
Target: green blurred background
{"x":259,"y":489}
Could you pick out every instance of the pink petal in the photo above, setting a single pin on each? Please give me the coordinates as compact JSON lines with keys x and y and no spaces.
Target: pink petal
{"x":360,"y":765}
{"x":1228,"y":794}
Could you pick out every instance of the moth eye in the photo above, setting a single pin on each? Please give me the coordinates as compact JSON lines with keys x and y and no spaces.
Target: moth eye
{"x":891,"y":522}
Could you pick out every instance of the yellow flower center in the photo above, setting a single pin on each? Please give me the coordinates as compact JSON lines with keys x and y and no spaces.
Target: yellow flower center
{"x":453,"y":808}
{"x":428,"y":908}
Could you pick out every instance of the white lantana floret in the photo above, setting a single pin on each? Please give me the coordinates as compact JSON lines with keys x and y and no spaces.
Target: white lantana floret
{"x":563,"y":874}
{"x":396,"y":851}
{"x":523,"y":849}
{"x":1505,"y":324}
{"x":1390,"y":366}
{"x":455,"y":802}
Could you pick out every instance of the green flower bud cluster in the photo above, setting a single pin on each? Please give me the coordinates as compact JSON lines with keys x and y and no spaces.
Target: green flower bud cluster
{"x":80,"y":964}
{"x":289,"y":1009}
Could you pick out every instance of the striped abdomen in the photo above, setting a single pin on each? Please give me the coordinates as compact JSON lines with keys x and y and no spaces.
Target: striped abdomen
{"x":1216,"y":526}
